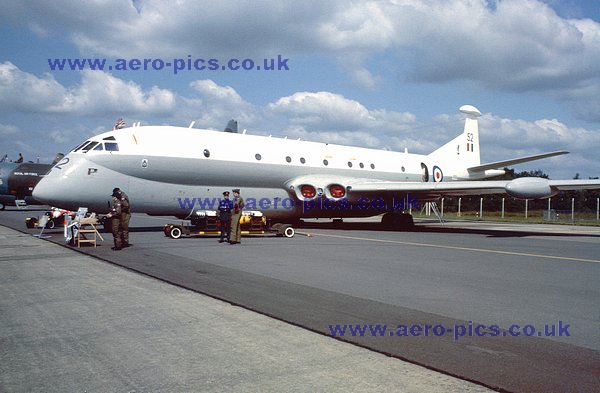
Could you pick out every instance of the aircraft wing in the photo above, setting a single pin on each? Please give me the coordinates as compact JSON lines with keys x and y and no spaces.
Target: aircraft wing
{"x":564,"y":185}
{"x":524,"y":187}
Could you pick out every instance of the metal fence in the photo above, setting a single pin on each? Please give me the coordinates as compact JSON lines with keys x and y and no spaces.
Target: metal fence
{"x":509,"y":209}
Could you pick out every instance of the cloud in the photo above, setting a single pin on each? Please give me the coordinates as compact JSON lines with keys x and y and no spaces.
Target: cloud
{"x":503,"y":138}
{"x":98,"y":93}
{"x":149,"y":28}
{"x":446,"y":40}
{"x":331,"y":110}
{"x":25,"y":92}
{"x":329,"y":117}
{"x":332,"y":118}
{"x":7,"y":130}
{"x":509,"y":45}
{"x":213,"y":105}
{"x":360,"y":26}
{"x":316,"y":116}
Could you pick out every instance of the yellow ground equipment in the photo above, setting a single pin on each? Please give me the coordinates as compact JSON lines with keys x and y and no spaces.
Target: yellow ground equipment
{"x":206,"y":222}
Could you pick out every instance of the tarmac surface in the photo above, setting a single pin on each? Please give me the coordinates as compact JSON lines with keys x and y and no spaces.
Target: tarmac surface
{"x":458,"y":275}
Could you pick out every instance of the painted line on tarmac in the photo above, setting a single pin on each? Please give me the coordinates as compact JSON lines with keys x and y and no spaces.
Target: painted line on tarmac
{"x":523,"y":254}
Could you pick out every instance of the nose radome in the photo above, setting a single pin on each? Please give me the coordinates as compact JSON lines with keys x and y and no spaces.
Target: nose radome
{"x":46,"y":192}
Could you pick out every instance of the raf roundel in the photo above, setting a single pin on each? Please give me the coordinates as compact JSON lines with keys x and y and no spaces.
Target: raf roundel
{"x":438,"y":175}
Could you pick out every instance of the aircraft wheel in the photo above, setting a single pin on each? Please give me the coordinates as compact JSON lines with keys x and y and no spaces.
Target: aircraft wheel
{"x":167,"y":230}
{"x":50,"y":224}
{"x":289,"y":232}
{"x":175,"y":233}
{"x":31,"y":222}
{"x":397,"y":221}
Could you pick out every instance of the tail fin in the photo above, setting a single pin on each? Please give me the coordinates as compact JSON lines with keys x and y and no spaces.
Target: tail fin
{"x":461,"y":152}
{"x":232,"y":126}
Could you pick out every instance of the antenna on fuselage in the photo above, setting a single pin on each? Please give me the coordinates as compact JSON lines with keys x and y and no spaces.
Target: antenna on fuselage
{"x":192,"y":124}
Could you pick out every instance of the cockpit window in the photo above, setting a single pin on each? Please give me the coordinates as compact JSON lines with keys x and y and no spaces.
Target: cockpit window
{"x":99,"y":147}
{"x":80,"y":146}
{"x":89,"y":147}
{"x":111,"y":146}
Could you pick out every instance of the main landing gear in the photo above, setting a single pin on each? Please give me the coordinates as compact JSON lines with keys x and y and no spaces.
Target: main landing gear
{"x":397,"y":221}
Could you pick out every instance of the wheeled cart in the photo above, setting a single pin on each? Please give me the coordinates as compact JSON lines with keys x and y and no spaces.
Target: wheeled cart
{"x":207,"y":223}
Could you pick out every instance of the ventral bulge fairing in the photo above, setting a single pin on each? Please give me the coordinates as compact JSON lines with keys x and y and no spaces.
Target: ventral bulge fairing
{"x":169,"y":170}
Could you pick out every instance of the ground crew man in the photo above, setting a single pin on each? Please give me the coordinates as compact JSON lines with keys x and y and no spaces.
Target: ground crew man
{"x":125,"y":217}
{"x":236,"y":215}
{"x":224,"y":214}
{"x":115,"y":216}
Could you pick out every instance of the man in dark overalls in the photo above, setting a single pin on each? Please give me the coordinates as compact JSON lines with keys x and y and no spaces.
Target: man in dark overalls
{"x":224,"y":213}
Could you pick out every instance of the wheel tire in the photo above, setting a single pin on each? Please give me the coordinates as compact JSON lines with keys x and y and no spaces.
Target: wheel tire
{"x":398,"y":221}
{"x":31,"y":222}
{"x":175,"y":233}
{"x":289,"y":232}
{"x":50,"y":224}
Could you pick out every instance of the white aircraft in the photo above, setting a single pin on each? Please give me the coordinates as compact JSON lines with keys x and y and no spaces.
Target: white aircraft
{"x":177,"y":171}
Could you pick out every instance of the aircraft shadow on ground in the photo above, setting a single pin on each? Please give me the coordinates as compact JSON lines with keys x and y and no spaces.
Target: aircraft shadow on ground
{"x":372,"y":227}
{"x":376,"y":227}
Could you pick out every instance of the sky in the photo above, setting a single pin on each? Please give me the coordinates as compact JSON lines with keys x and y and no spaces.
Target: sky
{"x":379,"y":74}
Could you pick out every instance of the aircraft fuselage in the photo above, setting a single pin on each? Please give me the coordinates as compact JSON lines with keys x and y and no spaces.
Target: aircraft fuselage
{"x":161,"y":166}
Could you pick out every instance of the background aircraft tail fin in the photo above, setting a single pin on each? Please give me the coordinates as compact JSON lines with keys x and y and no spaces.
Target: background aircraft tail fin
{"x":232,"y":126}
{"x":463,"y":151}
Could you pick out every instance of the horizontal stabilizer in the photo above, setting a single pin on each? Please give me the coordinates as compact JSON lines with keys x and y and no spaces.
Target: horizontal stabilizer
{"x":514,"y":161}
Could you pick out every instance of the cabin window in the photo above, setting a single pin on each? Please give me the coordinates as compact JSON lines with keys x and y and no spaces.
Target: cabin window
{"x":288,"y":159}
{"x":325,"y":162}
{"x":89,"y":147}
{"x":111,"y":146}
{"x":361,"y":165}
{"x":82,"y":145}
{"x":206,"y":153}
{"x":258,"y":157}
{"x":302,"y":160}
{"x":372,"y":166}
{"x":403,"y":169}
{"x":349,"y":164}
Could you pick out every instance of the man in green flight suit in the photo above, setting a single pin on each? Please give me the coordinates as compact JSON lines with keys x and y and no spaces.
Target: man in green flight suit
{"x":116,"y":216}
{"x":125,"y":217}
{"x":236,"y":214}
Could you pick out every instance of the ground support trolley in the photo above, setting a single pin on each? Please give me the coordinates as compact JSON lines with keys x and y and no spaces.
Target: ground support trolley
{"x":206,"y":222}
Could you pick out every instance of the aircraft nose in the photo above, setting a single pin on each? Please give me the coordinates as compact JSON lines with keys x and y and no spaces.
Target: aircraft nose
{"x":45,"y":192}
